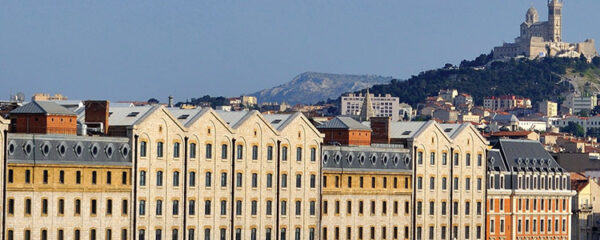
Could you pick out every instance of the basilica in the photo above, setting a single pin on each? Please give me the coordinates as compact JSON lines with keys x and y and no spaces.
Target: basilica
{"x":540,"y":39}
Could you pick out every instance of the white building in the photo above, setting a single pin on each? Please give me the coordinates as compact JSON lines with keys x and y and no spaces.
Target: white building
{"x":383,"y":106}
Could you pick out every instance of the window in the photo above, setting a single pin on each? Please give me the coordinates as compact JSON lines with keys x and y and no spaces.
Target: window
{"x":192,"y":153}
{"x":444,"y":182}
{"x":270,"y":153}
{"x":419,"y":208}
{"x":45,"y":177}
{"x":61,"y":177}
{"x":175,"y":179}
{"x":467,"y":208}
{"x":28,"y":206}
{"x":479,"y":208}
{"x":431,"y":183}
{"x":269,"y":180}
{"x":28,"y":176}
{"x":444,"y":158}
{"x":312,"y":208}
{"x":44,"y":206}
{"x":254,"y":180}
{"x":313,"y":154}
{"x":360,"y":207}
{"x":108,"y":177}
{"x":361,"y":182}
{"x":406,"y":207}
{"x":158,"y":207}
{"x":159,"y":149}
{"x":298,"y":154}
{"x":93,"y":207}
{"x":349,"y":207}
{"x":468,"y":159}
{"x":224,"y":179}
{"x":254,"y":152}
{"x":142,"y":178}
{"x":175,"y":205}
{"x":284,"y":180}
{"x":444,"y":208}
{"x":298,"y":180}
{"x":456,"y":159}
{"x":253,"y":208}
{"x":420,"y":158}
{"x":479,"y":159}
{"x":192,"y":180}
{"x":176,"y":150}
{"x":11,"y":206}
{"x":77,"y":207}
{"x":431,"y":208}
{"x":208,"y":151}
{"x":269,"y":208}
{"x":479,"y":184}
{"x":238,"y":207}
{"x":468,"y":184}
{"x":142,"y":234}
{"x":313,"y":180}
{"x":124,"y":207}
{"x":432,"y":158}
{"x":238,"y":180}
{"x":78,"y":177}
{"x":109,"y":207}
{"x":207,"y":207}
{"x":223,"y":207}
{"x":207,"y":180}
{"x":298,"y":208}
{"x":143,"y":148}
{"x":124,"y":178}
{"x":158,"y":234}
{"x":501,"y":225}
{"x":174,"y":234}
{"x":283,"y":207}
{"x":419,"y":183}
{"x":455,"y":184}
{"x":240,"y":152}
{"x":159,"y":175}
{"x":455,"y":208}
{"x":373,"y":181}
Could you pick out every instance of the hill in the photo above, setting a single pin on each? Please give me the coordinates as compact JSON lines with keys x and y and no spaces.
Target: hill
{"x":537,"y":79}
{"x":312,"y":87}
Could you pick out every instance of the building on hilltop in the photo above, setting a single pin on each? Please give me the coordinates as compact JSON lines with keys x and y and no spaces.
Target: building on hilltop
{"x":382,"y":106}
{"x":540,"y":39}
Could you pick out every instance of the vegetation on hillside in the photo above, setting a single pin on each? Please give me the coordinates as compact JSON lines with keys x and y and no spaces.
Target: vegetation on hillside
{"x":537,"y":79}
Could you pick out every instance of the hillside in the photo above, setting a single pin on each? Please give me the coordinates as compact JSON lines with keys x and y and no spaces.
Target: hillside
{"x":311,"y":87}
{"x":546,"y":78}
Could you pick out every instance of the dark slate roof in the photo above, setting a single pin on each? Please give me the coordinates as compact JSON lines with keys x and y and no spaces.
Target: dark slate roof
{"x":43,"y":107}
{"x":495,"y":161}
{"x":361,"y":158}
{"x":343,"y":123}
{"x":68,"y":149}
{"x":527,"y":155}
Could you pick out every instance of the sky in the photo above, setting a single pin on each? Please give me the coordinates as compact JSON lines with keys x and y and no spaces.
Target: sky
{"x":136,"y":50}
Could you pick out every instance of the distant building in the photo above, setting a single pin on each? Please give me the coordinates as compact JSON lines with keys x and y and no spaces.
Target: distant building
{"x":540,"y":39}
{"x":506,"y":102}
{"x":576,"y":103}
{"x":43,"y":117}
{"x":445,"y":115}
{"x":448,"y":95}
{"x":469,"y":117}
{"x":383,"y":106}
{"x":47,"y":97}
{"x":586,"y":208}
{"x":274,"y":107}
{"x":345,"y":131}
{"x":249,"y":100}
{"x":548,"y":108}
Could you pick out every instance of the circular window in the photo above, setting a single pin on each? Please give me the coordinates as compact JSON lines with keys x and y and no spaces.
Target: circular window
{"x":385,"y":160}
{"x":125,"y":150}
{"x":362,"y":160}
{"x":337,"y":159}
{"x":62,"y":148}
{"x":406,"y":160}
{"x":11,"y":148}
{"x":45,"y":148}
{"x":28,"y":148}
{"x":396,"y":160}
{"x":325,"y":157}
{"x":349,"y":159}
{"x":94,"y":150}
{"x":373,"y":159}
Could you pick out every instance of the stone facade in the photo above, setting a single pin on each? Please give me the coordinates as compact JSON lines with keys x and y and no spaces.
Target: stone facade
{"x":539,"y":39}
{"x":366,"y":192}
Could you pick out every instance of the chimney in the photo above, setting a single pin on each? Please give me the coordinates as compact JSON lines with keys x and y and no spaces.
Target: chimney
{"x":96,"y":115}
{"x":170,"y":101}
{"x":381,"y":130}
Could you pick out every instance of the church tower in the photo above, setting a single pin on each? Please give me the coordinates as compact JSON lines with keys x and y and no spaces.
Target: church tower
{"x":366,"y":111}
{"x":554,"y":20}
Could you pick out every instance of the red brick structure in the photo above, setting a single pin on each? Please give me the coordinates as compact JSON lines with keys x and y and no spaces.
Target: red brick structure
{"x":345,"y":131}
{"x":44,"y":118}
{"x":96,"y":114}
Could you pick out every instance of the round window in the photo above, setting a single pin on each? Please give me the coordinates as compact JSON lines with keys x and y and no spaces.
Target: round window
{"x":373,"y":159}
{"x":385,"y":160}
{"x":349,"y":159}
{"x":78,"y":149}
{"x":46,"y":149}
{"x":109,"y":150}
{"x":125,"y":150}
{"x":325,"y":157}
{"x":94,"y":150}
{"x":28,"y":148}
{"x":11,"y":148}
{"x":337,"y":159}
{"x":396,"y":160}
{"x":62,"y":149}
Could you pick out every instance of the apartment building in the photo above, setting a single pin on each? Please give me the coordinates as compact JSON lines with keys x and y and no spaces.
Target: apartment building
{"x":382,"y":106}
{"x":448,"y":176}
{"x":585,"y":208}
{"x":529,"y":193}
{"x":506,"y":102}
{"x":366,"y":192}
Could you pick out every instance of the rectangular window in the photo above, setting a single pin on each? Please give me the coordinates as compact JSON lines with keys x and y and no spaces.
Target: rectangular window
{"x":254,"y":152}
{"x":208,"y":151}
{"x":108,"y":177}
{"x":468,"y":159}
{"x":298,"y":154}
{"x":94,"y":177}
{"x":444,"y":158}
{"x":431,"y":208}
{"x":432,"y":158}
{"x":159,"y":149}
{"x":254,"y":180}
{"x":61,"y":177}
{"x":269,"y":208}
{"x":284,"y":180}
{"x":238,"y":180}
{"x":158,"y":207}
{"x":192,"y":150}
{"x":313,"y":154}
{"x":207,"y":207}
{"x":313,"y":180}
{"x":109,"y":207}
{"x":223,"y":179}
{"x":270,"y":153}
{"x":298,"y":180}
{"x":269,"y":180}
{"x":284,"y":153}
{"x":175,"y":206}
{"x":45,"y":179}
{"x":124,"y":207}
{"x":176,"y":150}
{"x":78,"y":177}
{"x":28,"y":176}
{"x":431,"y":183}
{"x":468,"y":183}
{"x":240,"y":152}
{"x":143,"y":148}
{"x":420,"y":158}
{"x":298,"y":208}
{"x":93,"y":207}
{"x":124,"y":178}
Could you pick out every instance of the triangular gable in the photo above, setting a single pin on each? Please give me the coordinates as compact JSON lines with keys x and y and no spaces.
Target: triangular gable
{"x":301,"y":116}
{"x":249,"y":115}
{"x":209,"y":112}
{"x":469,"y":126}
{"x":429,"y":124}
{"x":165,"y":111}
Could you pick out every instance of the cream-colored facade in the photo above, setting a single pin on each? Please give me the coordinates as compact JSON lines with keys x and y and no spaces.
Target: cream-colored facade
{"x":548,"y":108}
{"x":366,"y":193}
{"x":448,"y":176}
{"x":586,"y":213}
{"x":228,"y":175}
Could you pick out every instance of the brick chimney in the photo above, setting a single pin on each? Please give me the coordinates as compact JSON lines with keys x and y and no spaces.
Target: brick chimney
{"x":381,"y":129}
{"x":96,"y":111}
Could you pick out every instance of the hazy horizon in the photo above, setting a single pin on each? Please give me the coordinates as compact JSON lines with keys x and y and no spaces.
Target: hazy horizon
{"x":136,"y":50}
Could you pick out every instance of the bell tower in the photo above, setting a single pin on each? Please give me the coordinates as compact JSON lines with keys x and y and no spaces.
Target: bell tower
{"x":555,"y":20}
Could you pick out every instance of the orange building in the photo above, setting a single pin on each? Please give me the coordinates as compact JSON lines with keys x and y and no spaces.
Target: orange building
{"x":529,"y":194}
{"x":345,"y":131}
{"x":44,"y":118}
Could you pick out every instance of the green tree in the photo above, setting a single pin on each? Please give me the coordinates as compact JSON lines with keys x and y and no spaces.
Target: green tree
{"x":594,"y":132}
{"x":583,"y":113}
{"x":573,"y":128}
{"x":595,"y":111}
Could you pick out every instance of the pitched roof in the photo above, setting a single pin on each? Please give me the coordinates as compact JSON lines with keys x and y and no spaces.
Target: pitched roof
{"x":43,"y":107}
{"x":406,"y":129}
{"x":343,"y":123}
{"x":129,"y":116}
{"x":527,"y":155}
{"x":495,"y":161}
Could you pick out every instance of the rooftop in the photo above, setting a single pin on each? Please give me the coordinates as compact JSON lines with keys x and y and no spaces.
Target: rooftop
{"x":42,"y":107}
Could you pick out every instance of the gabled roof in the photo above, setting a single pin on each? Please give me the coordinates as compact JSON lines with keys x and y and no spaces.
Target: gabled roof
{"x":527,"y":155}
{"x":347,"y":123}
{"x":406,"y":129}
{"x":129,"y":116}
{"x":495,"y":161}
{"x":42,"y":107}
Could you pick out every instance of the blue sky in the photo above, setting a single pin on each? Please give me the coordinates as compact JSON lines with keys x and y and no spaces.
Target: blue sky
{"x":134,"y":50}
